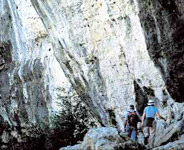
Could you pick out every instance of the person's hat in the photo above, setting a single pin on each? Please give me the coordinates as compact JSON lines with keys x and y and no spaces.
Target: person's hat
{"x":131,"y":107}
{"x":151,"y":102}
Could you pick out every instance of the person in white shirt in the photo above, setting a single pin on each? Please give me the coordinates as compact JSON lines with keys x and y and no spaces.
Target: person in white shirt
{"x":150,"y":125}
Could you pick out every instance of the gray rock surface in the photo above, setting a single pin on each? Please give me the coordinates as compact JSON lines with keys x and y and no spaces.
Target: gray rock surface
{"x":175,"y":130}
{"x":106,"y":138}
{"x":32,"y":83}
{"x":104,"y":64}
{"x":176,"y":145}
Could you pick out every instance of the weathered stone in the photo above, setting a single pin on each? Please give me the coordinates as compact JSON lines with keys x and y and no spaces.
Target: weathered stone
{"x":105,"y":139}
{"x":30,"y":77}
{"x":104,"y":68}
{"x":171,"y":133}
{"x":104,"y":55}
{"x":163,"y":22}
{"x":178,"y":144}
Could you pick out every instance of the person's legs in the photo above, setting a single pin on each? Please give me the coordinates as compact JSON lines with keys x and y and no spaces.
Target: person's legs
{"x":127,"y":129}
{"x":152,"y":135}
{"x":133,"y":134}
{"x":146,"y":134}
{"x":150,"y":130}
{"x":149,"y":137}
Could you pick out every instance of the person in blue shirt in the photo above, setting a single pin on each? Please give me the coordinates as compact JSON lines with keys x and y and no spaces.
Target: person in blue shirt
{"x":149,"y":117}
{"x":132,"y":117}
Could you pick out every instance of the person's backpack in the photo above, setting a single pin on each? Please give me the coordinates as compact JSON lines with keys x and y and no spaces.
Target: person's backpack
{"x":133,"y":119}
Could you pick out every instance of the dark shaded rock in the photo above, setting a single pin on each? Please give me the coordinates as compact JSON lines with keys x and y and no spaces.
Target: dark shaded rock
{"x":163,"y":22}
{"x":112,"y":117}
{"x":140,"y":99}
{"x":6,"y":66}
{"x":5,"y":52}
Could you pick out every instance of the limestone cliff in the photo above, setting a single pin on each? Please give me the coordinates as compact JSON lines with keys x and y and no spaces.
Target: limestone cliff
{"x":106,"y":54}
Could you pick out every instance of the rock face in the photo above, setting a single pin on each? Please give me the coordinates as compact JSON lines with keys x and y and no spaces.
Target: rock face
{"x":27,"y":68}
{"x":104,"y":52}
{"x":103,"y":55}
{"x":104,"y":63}
{"x":163,"y":26}
{"x":32,"y":83}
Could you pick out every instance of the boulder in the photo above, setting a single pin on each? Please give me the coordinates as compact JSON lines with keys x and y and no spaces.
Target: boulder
{"x":171,"y":133}
{"x":178,"y":144}
{"x":105,"y":138}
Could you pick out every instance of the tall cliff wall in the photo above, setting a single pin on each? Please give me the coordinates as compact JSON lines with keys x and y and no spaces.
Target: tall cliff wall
{"x":104,"y":51}
{"x":107,"y":53}
{"x":30,"y":74}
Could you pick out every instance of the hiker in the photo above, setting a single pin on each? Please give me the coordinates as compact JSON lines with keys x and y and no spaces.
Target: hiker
{"x":150,"y":125}
{"x":130,"y":124}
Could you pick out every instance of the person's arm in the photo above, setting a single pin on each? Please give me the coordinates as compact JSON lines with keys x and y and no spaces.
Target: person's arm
{"x":125,"y":123}
{"x":143,"y":116}
{"x":159,"y":116}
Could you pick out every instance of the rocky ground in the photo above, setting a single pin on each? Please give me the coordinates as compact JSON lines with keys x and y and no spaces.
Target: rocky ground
{"x":105,"y":138}
{"x":171,"y":138}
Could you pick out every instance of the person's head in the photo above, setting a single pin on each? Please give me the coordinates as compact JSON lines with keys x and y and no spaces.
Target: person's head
{"x":151,"y":102}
